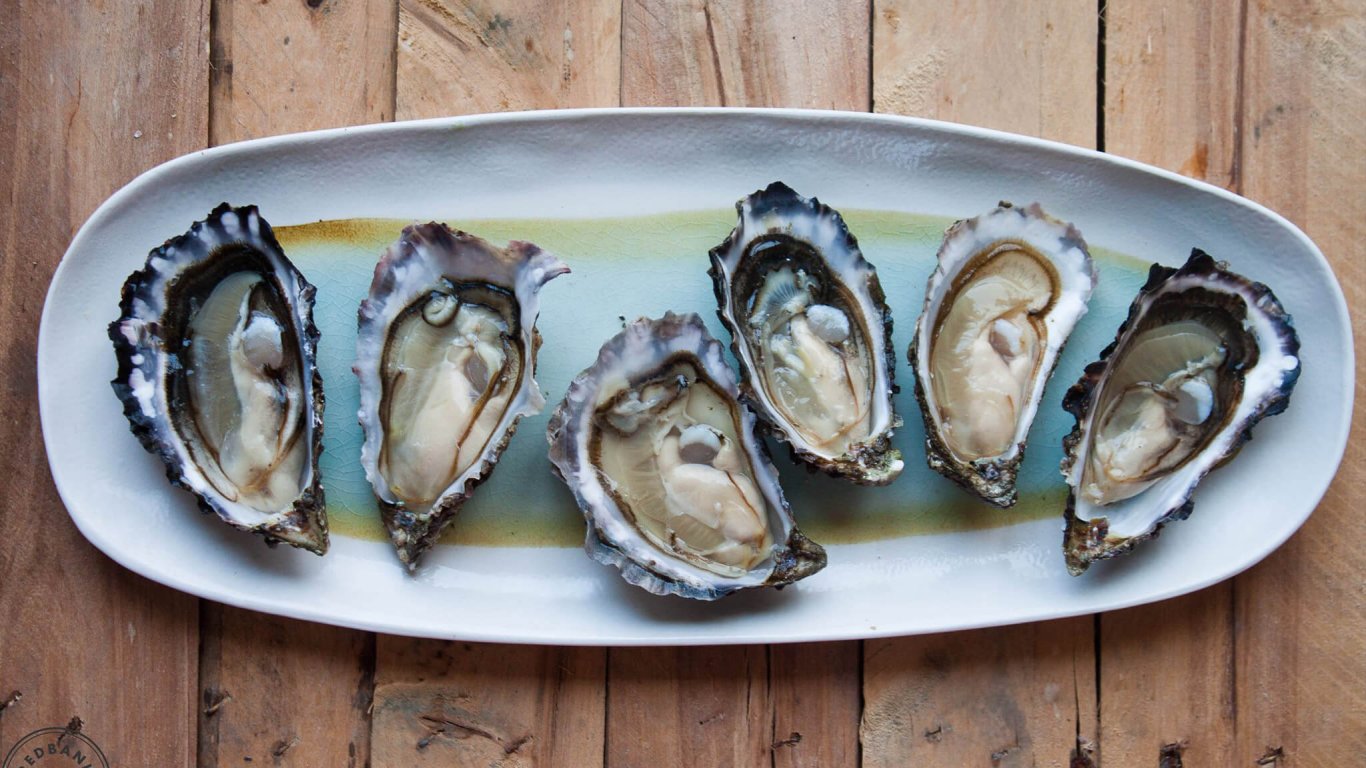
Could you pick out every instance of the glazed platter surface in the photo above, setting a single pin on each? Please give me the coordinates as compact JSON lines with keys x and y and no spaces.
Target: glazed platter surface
{"x":627,"y":197}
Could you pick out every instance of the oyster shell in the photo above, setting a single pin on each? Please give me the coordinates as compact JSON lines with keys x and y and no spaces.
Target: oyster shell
{"x":1010,"y":286}
{"x":811,"y":330}
{"x":1202,"y":357}
{"x":446,"y":357}
{"x":662,"y":459}
{"x":218,"y":377}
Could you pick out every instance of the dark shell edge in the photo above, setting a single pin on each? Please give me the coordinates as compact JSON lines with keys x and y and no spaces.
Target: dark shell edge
{"x":1085,"y":542}
{"x":874,"y":462}
{"x":413,"y":534}
{"x":801,"y":557}
{"x":309,"y":511}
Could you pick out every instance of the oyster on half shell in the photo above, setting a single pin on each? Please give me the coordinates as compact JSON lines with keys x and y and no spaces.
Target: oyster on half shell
{"x":446,"y":355}
{"x":1009,"y":287}
{"x":1202,"y":357}
{"x":218,"y":376}
{"x":812,"y":333}
{"x":662,"y":459}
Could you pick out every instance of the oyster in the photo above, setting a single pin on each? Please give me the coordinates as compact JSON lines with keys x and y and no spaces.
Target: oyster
{"x":216,"y":349}
{"x":1009,"y":287}
{"x":662,"y":459}
{"x":812,"y":333}
{"x":1203,"y":356}
{"x":445,"y":354}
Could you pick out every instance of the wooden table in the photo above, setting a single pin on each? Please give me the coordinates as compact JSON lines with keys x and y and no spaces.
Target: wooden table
{"x":1267,"y":99}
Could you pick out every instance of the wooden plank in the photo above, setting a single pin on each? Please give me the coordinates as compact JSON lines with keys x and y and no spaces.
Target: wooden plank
{"x":1166,"y":681}
{"x":1023,"y":67}
{"x":689,"y":706}
{"x":739,"y":53}
{"x":299,"y":66}
{"x":1014,"y":695}
{"x":789,"y":706}
{"x":1171,"y":85}
{"x":1301,"y":615}
{"x":447,"y":704}
{"x":283,"y":692}
{"x":1166,"y":670}
{"x":476,"y":704}
{"x":273,"y":690}
{"x":468,"y":56}
{"x":92,"y":96}
{"x":817,"y":699}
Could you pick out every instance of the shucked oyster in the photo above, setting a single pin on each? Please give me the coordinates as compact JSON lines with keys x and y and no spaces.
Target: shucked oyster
{"x":1009,"y":287}
{"x":445,"y":353}
{"x":812,"y":333}
{"x":1203,"y":356}
{"x":216,"y":348}
{"x":662,"y":459}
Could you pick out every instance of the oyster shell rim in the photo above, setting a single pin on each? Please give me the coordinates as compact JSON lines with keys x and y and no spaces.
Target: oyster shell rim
{"x":794,"y":557}
{"x":412,"y":533}
{"x":993,"y":479}
{"x":1086,"y":541}
{"x":872,"y":462}
{"x":308,"y":512}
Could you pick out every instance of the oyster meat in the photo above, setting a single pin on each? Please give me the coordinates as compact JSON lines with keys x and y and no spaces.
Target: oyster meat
{"x":812,"y":333}
{"x":1009,"y":287}
{"x":218,"y":377}
{"x":662,"y":459}
{"x":446,"y":357}
{"x":1203,"y":356}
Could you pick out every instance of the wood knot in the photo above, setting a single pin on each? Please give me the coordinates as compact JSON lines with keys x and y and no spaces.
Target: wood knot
{"x":1170,"y":755}
{"x":791,"y":741}
{"x":281,"y":747}
{"x":1272,"y":756}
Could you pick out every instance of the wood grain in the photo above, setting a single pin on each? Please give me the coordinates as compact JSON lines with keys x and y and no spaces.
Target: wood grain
{"x":1019,"y":695}
{"x":475,"y":704}
{"x":91,"y":96}
{"x":298,"y":66}
{"x":1023,"y":67}
{"x":689,"y":706}
{"x":817,"y":701}
{"x":1015,"y":696}
{"x":273,"y":690}
{"x":462,"y":704}
{"x":469,"y":56}
{"x":1171,"y":82}
{"x":1301,"y":614}
{"x":740,"y":53}
{"x":1171,"y":86}
{"x":283,"y":692}
{"x":789,"y":706}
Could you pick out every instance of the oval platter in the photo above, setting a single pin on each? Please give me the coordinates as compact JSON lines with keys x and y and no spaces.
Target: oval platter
{"x":632,"y":199}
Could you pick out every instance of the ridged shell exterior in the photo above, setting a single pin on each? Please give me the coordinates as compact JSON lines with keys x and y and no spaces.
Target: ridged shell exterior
{"x":613,"y":540}
{"x":1266,"y":392}
{"x":409,"y":269}
{"x":145,"y":360}
{"x":779,"y":209}
{"x":993,"y":479}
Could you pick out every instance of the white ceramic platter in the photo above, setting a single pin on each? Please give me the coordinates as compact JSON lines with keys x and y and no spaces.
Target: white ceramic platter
{"x":596,"y":164}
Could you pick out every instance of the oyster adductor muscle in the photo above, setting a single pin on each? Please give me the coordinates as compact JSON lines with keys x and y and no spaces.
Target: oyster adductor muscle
{"x":1008,"y":289}
{"x":1203,"y":356}
{"x":446,"y":357}
{"x":662,"y":459}
{"x":812,"y":333}
{"x":218,"y":377}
